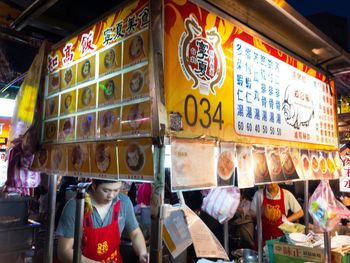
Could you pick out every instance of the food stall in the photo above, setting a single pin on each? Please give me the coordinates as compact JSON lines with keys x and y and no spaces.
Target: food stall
{"x":236,"y":99}
{"x":224,"y":97}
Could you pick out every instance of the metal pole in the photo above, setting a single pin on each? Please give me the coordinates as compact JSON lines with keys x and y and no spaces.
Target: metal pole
{"x":51,"y":217}
{"x":306,"y":206}
{"x":259,"y":223}
{"x":226,"y":245}
{"x":157,"y":201}
{"x":78,"y":228}
{"x":327,"y":248}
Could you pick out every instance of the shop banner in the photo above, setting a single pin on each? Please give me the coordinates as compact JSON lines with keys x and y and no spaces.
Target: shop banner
{"x":114,"y":28}
{"x":4,"y":128}
{"x":344,"y":181}
{"x":223,"y":82}
{"x":344,"y":104}
{"x":26,"y":99}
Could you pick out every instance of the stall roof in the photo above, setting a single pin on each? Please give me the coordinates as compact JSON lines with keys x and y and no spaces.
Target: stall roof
{"x":27,"y":21}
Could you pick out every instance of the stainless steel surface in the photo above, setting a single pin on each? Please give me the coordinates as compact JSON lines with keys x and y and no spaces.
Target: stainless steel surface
{"x":157,"y":201}
{"x":306,"y":206}
{"x":259,"y":223}
{"x":17,"y":238}
{"x":157,"y":96}
{"x":51,"y":217}
{"x":226,"y":246}
{"x":78,"y":228}
{"x":15,"y":206}
{"x":246,"y":255}
{"x":327,"y":248}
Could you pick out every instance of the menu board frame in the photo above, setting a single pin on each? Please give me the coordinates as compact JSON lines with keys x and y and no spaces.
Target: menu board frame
{"x":105,"y":83}
{"x":87,"y":88}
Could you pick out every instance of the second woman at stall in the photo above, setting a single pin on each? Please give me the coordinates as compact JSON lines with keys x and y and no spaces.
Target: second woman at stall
{"x":275,"y":203}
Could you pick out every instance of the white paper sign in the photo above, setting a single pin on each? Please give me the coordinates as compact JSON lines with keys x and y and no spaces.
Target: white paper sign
{"x":204,"y":241}
{"x":176,"y":235}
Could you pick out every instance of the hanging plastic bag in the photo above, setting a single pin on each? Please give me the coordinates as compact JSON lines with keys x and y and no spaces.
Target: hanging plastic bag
{"x":222,"y":203}
{"x":325,"y":209}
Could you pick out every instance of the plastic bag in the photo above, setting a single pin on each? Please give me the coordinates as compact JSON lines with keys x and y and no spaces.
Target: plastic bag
{"x":325,"y":209}
{"x":222,"y":203}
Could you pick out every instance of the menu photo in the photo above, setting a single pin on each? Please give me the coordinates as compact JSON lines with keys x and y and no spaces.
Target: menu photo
{"x":226,"y":164}
{"x":66,"y":129}
{"x":42,"y":159}
{"x":54,"y":83}
{"x":245,"y":168}
{"x":51,"y":107}
{"x":86,"y":126}
{"x":86,"y":70}
{"x":108,"y":123}
{"x":59,"y":159}
{"x":135,"y":158}
{"x":136,"y":84}
{"x":110,"y":60}
{"x":288,"y":166}
{"x":306,"y":164}
{"x":332,"y":168}
{"x":68,"y":77}
{"x":296,"y":158}
{"x":87,"y":97}
{"x":261,"y":171}
{"x":274,"y":164}
{"x":104,"y":159}
{"x":109,"y":91}
{"x":78,"y":159}
{"x":50,"y":131}
{"x":338,"y":164}
{"x":136,"y":119}
{"x":68,"y":102}
{"x":193,"y":164}
{"x":325,"y":174}
{"x":135,"y":49}
{"x":315,"y":165}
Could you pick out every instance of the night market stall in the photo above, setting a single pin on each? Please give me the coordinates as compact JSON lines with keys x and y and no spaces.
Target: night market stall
{"x":235,"y":108}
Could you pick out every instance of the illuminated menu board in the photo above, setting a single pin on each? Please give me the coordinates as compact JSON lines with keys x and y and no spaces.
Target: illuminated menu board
{"x":97,"y":101}
{"x":224,"y":82}
{"x":97,"y":85}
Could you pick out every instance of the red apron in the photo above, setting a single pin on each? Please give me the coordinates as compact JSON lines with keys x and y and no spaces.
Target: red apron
{"x":272,"y":211}
{"x":102,"y":244}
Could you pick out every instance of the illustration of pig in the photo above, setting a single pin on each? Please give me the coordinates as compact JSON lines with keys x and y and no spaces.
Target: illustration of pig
{"x":297,"y":107}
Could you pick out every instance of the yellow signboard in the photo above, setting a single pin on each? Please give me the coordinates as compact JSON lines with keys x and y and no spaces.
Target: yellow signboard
{"x":223,"y":82}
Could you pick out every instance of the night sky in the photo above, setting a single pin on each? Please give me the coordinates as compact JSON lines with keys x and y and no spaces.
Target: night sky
{"x":336,"y":7}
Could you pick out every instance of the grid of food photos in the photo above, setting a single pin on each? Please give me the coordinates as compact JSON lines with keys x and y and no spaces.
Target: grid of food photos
{"x":91,"y":103}
{"x":130,"y":159}
{"x":246,"y":165}
{"x":101,"y":96}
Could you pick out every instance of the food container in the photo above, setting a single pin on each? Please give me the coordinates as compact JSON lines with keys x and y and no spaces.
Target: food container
{"x":245,"y":255}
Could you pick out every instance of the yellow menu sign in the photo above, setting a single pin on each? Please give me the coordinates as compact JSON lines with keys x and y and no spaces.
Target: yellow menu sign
{"x":223,"y":82}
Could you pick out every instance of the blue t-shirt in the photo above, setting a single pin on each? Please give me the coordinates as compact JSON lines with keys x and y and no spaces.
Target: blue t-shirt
{"x":126,"y":218}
